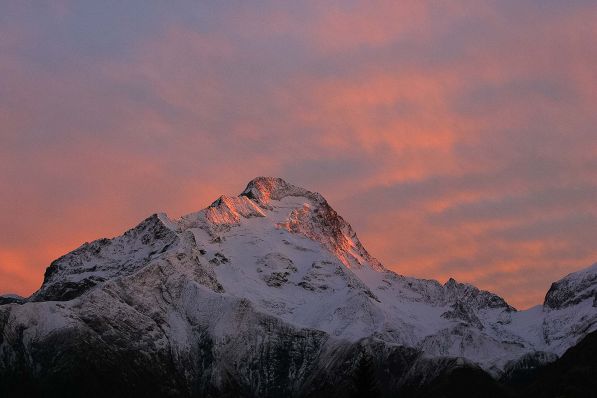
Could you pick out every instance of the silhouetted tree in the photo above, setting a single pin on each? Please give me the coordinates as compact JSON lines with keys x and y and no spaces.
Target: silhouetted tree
{"x":364,"y":379}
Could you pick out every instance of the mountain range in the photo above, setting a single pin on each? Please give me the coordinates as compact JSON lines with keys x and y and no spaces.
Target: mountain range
{"x":271,"y":293}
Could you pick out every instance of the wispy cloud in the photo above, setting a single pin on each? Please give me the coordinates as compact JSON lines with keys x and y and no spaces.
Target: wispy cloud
{"x":458,"y":139}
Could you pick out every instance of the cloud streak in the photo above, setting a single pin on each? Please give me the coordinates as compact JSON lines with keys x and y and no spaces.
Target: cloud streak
{"x":459,"y":140}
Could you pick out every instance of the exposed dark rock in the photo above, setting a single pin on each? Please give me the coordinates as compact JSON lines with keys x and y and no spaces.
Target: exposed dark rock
{"x":571,"y":291}
{"x":11,"y":300}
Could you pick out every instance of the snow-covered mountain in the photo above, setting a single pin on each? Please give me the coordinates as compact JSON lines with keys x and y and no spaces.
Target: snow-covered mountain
{"x":268,"y":293}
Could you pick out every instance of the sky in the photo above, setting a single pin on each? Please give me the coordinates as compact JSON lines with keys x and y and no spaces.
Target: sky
{"x":458,"y":138}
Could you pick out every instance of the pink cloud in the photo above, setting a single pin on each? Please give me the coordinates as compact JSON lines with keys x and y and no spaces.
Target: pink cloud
{"x":458,"y":139}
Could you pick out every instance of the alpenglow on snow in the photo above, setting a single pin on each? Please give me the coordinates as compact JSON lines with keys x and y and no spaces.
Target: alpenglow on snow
{"x":270,"y":292}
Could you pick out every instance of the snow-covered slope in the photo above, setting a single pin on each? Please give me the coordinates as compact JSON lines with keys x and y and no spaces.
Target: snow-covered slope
{"x":570,"y":310}
{"x":277,"y":265}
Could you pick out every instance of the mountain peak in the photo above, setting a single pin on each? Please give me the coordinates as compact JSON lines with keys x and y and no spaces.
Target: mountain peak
{"x":232,"y":286}
{"x":264,"y":189}
{"x":573,"y":288}
{"x":450,"y":282}
{"x":317,"y":221}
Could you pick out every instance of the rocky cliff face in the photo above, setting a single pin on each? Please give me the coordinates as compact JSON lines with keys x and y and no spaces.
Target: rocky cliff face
{"x":573,"y":289}
{"x":266,"y":294}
